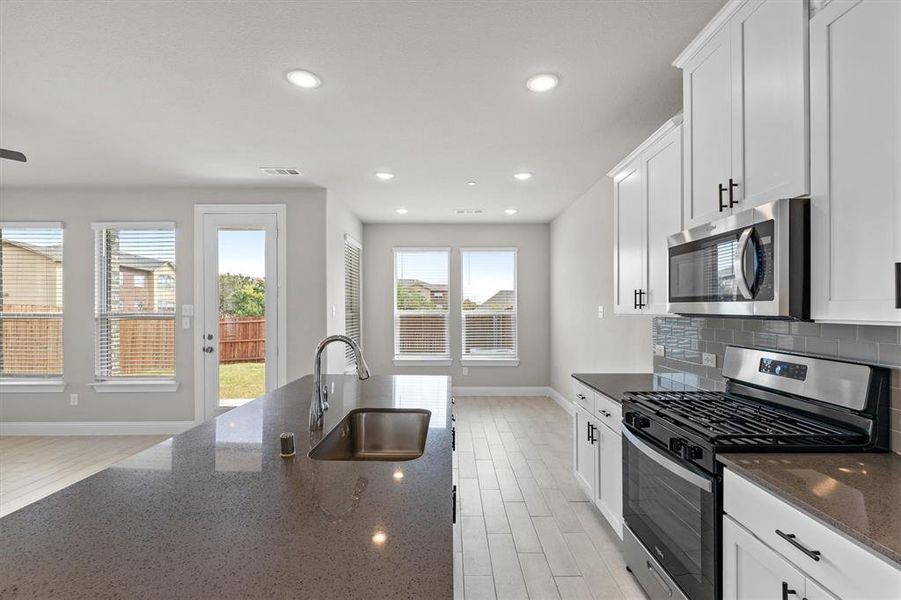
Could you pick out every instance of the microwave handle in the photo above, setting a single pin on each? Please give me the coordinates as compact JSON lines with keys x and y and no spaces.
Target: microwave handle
{"x":738,"y":265}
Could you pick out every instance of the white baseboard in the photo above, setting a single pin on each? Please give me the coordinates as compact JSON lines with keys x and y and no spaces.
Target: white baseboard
{"x":561,"y":400}
{"x":94,"y":427}
{"x":501,"y":391}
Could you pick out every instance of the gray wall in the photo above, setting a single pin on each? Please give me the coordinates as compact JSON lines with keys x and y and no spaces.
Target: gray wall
{"x":686,"y":338}
{"x":533,"y":297}
{"x":306,"y":293}
{"x":582,"y":279}
{"x":339,"y":221}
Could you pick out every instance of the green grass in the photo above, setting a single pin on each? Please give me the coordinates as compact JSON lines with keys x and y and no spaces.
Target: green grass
{"x":242,"y":380}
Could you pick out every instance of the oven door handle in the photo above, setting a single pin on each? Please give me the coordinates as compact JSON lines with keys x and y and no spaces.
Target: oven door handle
{"x":668,"y":463}
{"x":738,"y":264}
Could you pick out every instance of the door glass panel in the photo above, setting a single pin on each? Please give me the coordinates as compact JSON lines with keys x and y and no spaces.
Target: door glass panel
{"x":242,"y":316}
{"x":674,"y":518}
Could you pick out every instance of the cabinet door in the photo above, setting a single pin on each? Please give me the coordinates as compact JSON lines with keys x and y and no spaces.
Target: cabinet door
{"x":769,"y":102}
{"x":584,"y":454}
{"x":707,"y":101}
{"x":812,"y":591}
{"x":751,"y":571}
{"x":609,"y":493}
{"x":628,"y":206}
{"x":855,"y":79}
{"x":663,"y":191}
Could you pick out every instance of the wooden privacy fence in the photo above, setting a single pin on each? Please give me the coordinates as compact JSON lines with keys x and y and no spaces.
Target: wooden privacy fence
{"x":242,"y":339}
{"x":32,"y":346}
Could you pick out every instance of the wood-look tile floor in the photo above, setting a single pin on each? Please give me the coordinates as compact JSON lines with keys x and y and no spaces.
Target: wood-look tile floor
{"x":525,"y":530}
{"x":32,"y":467}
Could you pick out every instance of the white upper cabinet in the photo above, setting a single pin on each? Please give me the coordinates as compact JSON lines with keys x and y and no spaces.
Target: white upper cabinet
{"x":855,"y":121}
{"x":647,"y":200}
{"x":744,"y":84}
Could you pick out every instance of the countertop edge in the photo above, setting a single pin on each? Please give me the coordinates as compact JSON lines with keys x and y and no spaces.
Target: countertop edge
{"x":779,"y":491}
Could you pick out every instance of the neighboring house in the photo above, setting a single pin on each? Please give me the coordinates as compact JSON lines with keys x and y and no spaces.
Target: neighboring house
{"x":146,"y":284}
{"x":41,"y":262}
{"x":435,"y":293}
{"x":503,"y":300}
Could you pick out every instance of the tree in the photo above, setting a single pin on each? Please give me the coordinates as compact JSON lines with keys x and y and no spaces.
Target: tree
{"x":250,"y":299}
{"x":410,"y":299}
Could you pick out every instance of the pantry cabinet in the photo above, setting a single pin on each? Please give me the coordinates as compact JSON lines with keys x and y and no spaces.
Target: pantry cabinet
{"x":647,"y":201}
{"x":855,"y":120}
{"x":745,"y":82}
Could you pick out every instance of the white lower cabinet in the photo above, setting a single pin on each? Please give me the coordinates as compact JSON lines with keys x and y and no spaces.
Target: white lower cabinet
{"x":598,"y":465}
{"x":751,"y":570}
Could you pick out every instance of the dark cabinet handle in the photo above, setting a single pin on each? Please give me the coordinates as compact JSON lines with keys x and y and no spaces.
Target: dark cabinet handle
{"x":593,"y":430}
{"x":732,"y":186}
{"x":641,"y":303}
{"x":786,"y":591}
{"x":792,"y":539}
{"x":454,"y":517}
{"x":453,"y":439}
{"x":635,"y":299}
{"x":722,"y":206}
{"x":897,"y":285}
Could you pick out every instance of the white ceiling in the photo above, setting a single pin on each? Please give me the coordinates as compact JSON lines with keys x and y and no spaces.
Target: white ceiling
{"x":193,"y":94}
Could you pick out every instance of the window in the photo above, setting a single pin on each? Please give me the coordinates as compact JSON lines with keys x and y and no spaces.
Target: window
{"x":353,"y":300}
{"x":420,"y":304}
{"x":488,"y":281}
{"x":31,"y":301}
{"x":134,"y":319}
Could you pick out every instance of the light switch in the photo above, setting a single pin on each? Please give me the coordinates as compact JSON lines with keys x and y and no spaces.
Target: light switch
{"x":709,"y":359}
{"x":600,"y":311}
{"x":659,"y":350}
{"x":187,"y":310}
{"x":186,"y":322}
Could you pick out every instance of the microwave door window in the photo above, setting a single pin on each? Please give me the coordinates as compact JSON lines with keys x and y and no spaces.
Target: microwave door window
{"x":704,"y":271}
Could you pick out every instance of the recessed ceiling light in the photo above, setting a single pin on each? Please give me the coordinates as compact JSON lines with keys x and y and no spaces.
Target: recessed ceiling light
{"x":304,"y":79}
{"x":384,"y":175}
{"x":470,"y":183}
{"x":511,"y":211}
{"x":542,"y":82}
{"x":524,"y":176}
{"x":401,"y":211}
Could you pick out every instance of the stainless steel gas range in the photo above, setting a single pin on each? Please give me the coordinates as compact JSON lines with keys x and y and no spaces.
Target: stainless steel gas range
{"x":672,"y":484}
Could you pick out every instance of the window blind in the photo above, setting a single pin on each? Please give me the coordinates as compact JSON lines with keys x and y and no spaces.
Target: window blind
{"x":421,"y":303}
{"x":31,"y":301}
{"x":489,"y":305}
{"x":353,"y":300}
{"x":135,"y":300}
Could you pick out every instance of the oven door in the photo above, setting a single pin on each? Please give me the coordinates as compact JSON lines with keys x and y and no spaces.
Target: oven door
{"x":672,"y":507}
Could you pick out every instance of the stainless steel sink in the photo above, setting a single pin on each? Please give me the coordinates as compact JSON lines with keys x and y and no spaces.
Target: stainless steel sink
{"x":376,"y":434}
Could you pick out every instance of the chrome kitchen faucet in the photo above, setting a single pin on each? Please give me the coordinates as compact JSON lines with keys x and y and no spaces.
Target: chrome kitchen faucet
{"x":319,"y":403}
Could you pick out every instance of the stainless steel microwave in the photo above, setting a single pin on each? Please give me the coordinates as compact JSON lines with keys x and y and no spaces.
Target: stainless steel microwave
{"x":754,"y":263}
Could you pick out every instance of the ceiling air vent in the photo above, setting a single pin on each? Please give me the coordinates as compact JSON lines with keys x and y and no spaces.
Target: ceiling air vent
{"x":469,"y":211}
{"x":279,"y":171}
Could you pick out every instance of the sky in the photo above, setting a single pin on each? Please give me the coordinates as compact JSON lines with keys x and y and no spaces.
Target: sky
{"x":242,"y":252}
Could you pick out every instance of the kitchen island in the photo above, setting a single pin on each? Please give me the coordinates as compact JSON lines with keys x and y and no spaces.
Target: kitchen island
{"x":216,"y":512}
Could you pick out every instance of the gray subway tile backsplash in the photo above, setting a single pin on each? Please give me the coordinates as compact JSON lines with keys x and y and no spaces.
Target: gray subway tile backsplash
{"x":684,"y":338}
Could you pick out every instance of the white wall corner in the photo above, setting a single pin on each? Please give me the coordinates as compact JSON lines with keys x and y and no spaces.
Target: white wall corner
{"x":94,"y":427}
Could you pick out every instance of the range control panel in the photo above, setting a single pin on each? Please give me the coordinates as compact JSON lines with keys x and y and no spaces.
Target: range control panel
{"x":781,"y":368}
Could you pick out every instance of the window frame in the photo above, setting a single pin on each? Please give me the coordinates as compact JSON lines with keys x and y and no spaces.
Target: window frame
{"x":132,"y":383}
{"x":348,"y":353}
{"x":420,"y":359}
{"x":470,"y":360}
{"x":20,"y":384}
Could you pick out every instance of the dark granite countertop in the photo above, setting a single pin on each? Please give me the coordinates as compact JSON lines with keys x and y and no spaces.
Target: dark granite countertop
{"x":857,"y":494}
{"x":614,"y":385}
{"x":216,"y":513}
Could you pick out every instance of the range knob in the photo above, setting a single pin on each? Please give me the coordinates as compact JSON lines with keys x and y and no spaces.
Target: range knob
{"x":685,"y":450}
{"x":636,"y":420}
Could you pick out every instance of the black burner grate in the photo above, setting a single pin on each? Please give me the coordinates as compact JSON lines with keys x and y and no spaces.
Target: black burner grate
{"x":730,"y":421}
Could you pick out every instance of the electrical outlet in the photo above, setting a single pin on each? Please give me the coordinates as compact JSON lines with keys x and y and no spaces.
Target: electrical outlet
{"x":659,"y":350}
{"x":73,"y":399}
{"x":600,"y":311}
{"x":466,"y":370}
{"x":334,"y":310}
{"x":709,"y":359}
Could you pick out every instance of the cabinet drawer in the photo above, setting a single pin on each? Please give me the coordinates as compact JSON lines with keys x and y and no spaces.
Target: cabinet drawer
{"x":584,"y":397}
{"x":843,"y":567}
{"x":608,"y":411}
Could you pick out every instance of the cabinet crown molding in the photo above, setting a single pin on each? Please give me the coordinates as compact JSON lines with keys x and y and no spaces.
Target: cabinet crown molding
{"x":711,"y":29}
{"x":664,"y":129}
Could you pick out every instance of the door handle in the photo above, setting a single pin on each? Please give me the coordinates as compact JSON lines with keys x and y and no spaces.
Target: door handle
{"x":208,"y":349}
{"x":722,"y":206}
{"x":738,"y":264}
{"x":732,"y":186}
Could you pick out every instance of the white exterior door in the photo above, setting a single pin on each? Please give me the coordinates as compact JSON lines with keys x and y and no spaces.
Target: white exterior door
{"x":628,"y":199}
{"x":707,"y":102}
{"x":240,"y":318}
{"x":769,"y":108}
{"x":855,"y":100}
{"x":751,"y":571}
{"x":663,"y":193}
